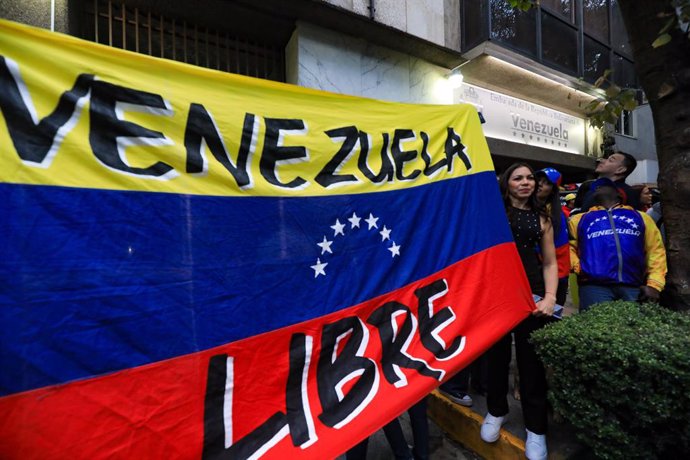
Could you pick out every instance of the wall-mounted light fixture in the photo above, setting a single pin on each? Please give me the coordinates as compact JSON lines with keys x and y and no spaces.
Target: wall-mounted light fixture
{"x":455,"y":77}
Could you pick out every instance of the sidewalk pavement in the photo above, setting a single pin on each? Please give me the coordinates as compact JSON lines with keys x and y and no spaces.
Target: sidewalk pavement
{"x":462,"y":424}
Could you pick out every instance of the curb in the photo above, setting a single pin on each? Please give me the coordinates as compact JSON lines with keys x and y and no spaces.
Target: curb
{"x":463,"y":425}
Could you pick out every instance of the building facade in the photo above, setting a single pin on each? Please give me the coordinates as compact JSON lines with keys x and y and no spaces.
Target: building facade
{"x":530,"y":74}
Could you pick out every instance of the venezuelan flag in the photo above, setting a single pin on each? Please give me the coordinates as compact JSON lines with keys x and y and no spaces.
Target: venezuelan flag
{"x":196,"y":264}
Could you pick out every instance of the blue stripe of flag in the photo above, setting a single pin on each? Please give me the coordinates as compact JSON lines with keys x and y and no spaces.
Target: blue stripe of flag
{"x":94,"y":281}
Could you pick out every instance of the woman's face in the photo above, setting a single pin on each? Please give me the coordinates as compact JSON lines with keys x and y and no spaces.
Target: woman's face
{"x":646,"y":196}
{"x":521,"y":183}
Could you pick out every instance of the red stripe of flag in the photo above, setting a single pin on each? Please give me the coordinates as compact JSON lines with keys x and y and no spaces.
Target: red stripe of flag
{"x":249,"y":398}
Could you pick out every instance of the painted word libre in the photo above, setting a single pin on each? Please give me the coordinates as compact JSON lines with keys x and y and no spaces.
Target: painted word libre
{"x":344,"y":361}
{"x":37,"y":141}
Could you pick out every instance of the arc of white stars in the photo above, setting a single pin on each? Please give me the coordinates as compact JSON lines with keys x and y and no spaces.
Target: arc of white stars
{"x":354,"y":220}
{"x":371,"y":220}
{"x":325,"y":245}
{"x":385,"y":233}
{"x":395,"y":250}
{"x":319,"y":268}
{"x":338,"y":228}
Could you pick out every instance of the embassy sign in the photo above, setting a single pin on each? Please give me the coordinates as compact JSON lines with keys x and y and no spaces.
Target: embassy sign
{"x":516,"y":120}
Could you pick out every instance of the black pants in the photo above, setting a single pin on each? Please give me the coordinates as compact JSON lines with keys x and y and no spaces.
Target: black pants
{"x":396,"y":438}
{"x":532,"y":376}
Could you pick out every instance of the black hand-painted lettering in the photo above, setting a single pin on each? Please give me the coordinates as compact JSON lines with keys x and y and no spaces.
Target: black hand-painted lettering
{"x":32,"y":140}
{"x":333,"y":371}
{"x":274,"y":153}
{"x":214,"y":426}
{"x":327,"y":176}
{"x":202,"y":128}
{"x":430,"y":322}
{"x":298,"y":414}
{"x":429,"y":169}
{"x":400,"y":157}
{"x":393,"y":344}
{"x":386,"y":172}
{"x":106,"y":127}
{"x":454,"y":146}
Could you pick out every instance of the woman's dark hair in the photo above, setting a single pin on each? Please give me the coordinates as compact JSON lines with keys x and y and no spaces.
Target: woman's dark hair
{"x":531,"y":201}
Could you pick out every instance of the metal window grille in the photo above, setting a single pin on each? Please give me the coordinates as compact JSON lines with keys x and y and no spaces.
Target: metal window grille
{"x":121,"y":26}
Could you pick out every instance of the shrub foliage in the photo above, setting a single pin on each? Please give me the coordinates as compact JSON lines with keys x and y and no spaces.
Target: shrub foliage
{"x":620,"y":373}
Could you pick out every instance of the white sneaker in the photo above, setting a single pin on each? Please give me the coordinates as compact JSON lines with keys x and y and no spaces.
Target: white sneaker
{"x":535,"y":446}
{"x":491,"y":428}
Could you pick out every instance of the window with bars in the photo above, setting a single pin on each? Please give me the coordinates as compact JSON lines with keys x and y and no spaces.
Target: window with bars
{"x":119,"y":25}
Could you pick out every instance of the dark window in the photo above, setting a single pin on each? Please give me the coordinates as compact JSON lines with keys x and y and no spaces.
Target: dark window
{"x":582,"y":38}
{"x":559,"y":43}
{"x":475,"y":17}
{"x":596,"y":59}
{"x":625,"y":124}
{"x":623,"y":72}
{"x":514,"y":27}
{"x":619,"y":35}
{"x":564,"y":9}
{"x":596,"y":18}
{"x":121,"y":26}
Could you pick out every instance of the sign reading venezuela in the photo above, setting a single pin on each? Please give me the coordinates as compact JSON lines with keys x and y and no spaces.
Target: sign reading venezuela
{"x":202,"y":265}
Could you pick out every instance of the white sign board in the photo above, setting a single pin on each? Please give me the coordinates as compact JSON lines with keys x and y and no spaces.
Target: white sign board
{"x":515,"y":120}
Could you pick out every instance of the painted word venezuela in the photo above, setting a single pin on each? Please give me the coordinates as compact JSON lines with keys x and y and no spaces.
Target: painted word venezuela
{"x":37,"y":141}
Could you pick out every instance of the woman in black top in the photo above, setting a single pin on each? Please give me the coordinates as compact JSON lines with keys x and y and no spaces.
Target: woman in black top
{"x":531,"y":227}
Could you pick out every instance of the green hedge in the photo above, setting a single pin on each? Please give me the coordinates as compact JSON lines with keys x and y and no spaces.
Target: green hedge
{"x":620,"y":373}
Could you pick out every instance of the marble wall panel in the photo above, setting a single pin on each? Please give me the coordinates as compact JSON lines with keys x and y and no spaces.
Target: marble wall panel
{"x":326,"y":60}
{"x":428,"y":83}
{"x":385,"y":74}
{"x":323,"y":59}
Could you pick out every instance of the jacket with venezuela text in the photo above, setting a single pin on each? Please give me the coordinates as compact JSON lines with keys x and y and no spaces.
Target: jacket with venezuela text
{"x":617,"y":246}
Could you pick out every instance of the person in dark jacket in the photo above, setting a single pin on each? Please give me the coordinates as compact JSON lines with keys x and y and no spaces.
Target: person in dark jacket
{"x":616,"y":167}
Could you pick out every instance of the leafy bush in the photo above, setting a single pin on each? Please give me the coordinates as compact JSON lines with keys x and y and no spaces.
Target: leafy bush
{"x":620,"y":373}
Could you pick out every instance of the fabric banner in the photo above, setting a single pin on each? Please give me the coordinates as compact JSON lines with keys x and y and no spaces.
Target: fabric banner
{"x":198,"y":264}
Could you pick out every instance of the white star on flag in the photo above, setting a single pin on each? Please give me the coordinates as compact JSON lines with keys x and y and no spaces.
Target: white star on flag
{"x":319,"y":268}
{"x":634,"y":225}
{"x":338,"y":228}
{"x":385,"y":233}
{"x":325,"y":246}
{"x":395,"y":250}
{"x":354,"y":220}
{"x":629,"y":220}
{"x":372,"y":221}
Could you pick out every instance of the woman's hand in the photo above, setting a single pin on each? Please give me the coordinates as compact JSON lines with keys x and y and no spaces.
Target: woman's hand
{"x":545,"y":306}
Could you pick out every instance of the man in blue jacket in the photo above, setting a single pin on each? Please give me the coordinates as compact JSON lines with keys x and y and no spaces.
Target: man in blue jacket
{"x":617,"y":251}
